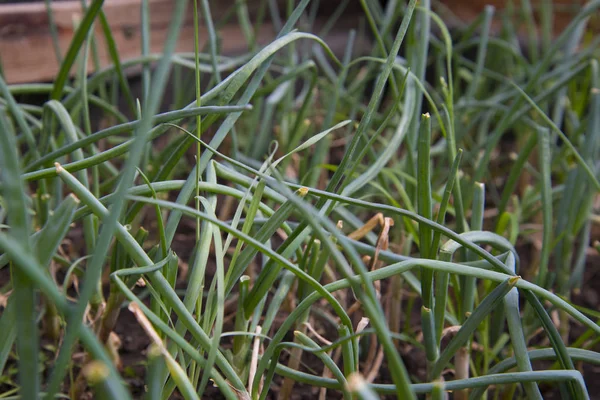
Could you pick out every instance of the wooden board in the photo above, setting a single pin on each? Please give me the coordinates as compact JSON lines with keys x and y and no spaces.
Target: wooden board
{"x":26,"y":45}
{"x":27,"y":52}
{"x":563,"y":11}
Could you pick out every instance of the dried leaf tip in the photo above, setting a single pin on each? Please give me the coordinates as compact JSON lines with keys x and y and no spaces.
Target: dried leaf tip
{"x":426,"y":115}
{"x":58,"y":167}
{"x":512,"y":281}
{"x":439,"y":385}
{"x":154,"y":351}
{"x":362,"y":324}
{"x":303,"y":191}
{"x":356,"y":382}
{"x":95,"y":372}
{"x":72,"y":194}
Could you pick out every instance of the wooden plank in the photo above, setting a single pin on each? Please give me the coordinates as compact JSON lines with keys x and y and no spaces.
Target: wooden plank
{"x":27,"y":52}
{"x":26,"y":45}
{"x":563,"y":12}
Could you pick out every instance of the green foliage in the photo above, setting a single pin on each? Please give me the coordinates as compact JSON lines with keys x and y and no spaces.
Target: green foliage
{"x":328,"y":197}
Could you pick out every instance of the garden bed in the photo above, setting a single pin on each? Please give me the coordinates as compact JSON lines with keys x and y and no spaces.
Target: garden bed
{"x":437,"y":190}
